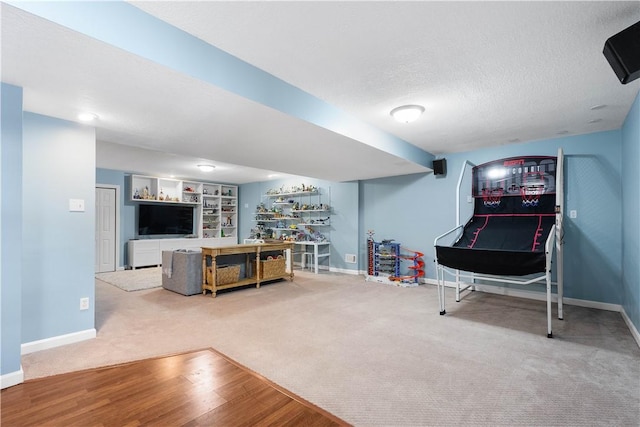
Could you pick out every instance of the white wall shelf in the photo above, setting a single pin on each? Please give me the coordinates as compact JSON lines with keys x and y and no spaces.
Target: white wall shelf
{"x":293,"y":214}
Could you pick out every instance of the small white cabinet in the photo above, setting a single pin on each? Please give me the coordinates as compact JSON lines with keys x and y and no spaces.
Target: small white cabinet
{"x":144,"y":253}
{"x":148,"y":252}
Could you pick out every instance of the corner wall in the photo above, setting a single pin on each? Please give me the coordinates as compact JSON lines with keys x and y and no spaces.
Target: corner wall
{"x":11,"y":234}
{"x":631,"y":214}
{"x":58,"y":245}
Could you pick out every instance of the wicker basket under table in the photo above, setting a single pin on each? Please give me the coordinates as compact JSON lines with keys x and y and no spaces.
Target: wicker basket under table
{"x":272,"y":268}
{"x":224,"y":274}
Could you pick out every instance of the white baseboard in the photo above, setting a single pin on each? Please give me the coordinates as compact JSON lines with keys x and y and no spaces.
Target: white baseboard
{"x":539,"y":296}
{"x":344,"y":271}
{"x":12,"y":378}
{"x":47,"y":343}
{"x":542,"y":296}
{"x":631,"y":326}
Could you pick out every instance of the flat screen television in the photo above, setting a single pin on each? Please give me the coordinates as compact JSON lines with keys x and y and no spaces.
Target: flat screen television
{"x":165,"y":219}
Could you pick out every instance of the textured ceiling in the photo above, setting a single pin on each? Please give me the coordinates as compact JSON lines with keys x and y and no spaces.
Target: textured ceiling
{"x":488,"y":74}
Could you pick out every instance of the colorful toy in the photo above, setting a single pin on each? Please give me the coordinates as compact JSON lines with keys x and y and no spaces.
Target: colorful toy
{"x":385,"y":262}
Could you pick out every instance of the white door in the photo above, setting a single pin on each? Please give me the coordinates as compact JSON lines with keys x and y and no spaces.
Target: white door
{"x":105,"y":229}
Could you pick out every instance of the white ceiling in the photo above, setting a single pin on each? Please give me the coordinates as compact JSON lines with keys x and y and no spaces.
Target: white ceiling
{"x":488,"y":74}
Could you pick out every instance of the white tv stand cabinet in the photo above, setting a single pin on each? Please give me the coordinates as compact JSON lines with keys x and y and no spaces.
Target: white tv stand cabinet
{"x":148,"y":252}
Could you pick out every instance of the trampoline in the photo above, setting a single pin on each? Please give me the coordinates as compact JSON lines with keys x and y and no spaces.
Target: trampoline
{"x":513,"y":231}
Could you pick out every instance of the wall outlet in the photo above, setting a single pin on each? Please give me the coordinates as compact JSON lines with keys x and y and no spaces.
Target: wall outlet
{"x":84,"y":303}
{"x":350,"y":258}
{"x":573,"y":214}
{"x":469,"y":199}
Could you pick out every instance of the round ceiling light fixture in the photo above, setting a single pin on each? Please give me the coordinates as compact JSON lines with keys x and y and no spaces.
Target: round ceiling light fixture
{"x":87,"y":117}
{"x":407,"y":113}
{"x":206,"y":168}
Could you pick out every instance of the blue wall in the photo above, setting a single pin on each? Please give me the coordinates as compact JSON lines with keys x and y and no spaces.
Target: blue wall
{"x":631,"y":213}
{"x":341,"y":196}
{"x":11,"y":228}
{"x":58,"y":245}
{"x":415,"y":209}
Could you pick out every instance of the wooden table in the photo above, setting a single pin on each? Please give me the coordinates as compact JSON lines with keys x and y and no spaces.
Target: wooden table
{"x":211,"y":283}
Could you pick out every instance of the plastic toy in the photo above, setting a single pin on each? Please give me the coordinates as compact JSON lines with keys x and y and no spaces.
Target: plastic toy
{"x":385,"y":262}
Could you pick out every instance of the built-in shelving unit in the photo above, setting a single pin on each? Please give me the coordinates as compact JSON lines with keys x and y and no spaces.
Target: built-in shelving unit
{"x":216,"y":204}
{"x":295,"y":214}
{"x":215,"y":216}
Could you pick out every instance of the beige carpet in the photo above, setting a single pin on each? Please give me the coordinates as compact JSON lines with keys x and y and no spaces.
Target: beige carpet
{"x":133,"y":280}
{"x":375,"y":354}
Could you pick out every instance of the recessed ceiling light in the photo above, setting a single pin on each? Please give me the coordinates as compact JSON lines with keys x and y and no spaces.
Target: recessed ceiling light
{"x":562,"y":132}
{"x":273,"y":175}
{"x":87,"y":117}
{"x":407,"y":113}
{"x":206,"y":168}
{"x":594,"y":120}
{"x":514,"y":140}
{"x":598,"y":107}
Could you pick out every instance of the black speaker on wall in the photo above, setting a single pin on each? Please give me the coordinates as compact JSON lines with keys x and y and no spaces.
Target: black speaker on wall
{"x":440,"y":167}
{"x":623,"y":53}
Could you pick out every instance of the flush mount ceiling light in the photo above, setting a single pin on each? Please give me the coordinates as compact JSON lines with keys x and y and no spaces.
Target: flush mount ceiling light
{"x":206,"y":168}
{"x":87,"y":117}
{"x":407,"y":113}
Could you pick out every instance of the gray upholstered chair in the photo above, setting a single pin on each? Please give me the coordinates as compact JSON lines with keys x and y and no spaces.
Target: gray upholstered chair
{"x":182,"y":271}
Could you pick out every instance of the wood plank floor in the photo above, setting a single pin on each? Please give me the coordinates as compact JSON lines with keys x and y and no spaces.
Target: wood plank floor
{"x":202,"y":388}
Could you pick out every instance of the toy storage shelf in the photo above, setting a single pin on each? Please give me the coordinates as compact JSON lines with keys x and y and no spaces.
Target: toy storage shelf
{"x":300,"y":215}
{"x":291,"y":215}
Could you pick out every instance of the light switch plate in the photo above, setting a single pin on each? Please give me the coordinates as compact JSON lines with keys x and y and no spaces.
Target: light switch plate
{"x":76,"y":205}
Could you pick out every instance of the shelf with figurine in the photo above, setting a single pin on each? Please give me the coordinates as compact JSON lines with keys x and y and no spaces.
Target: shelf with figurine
{"x":212,"y":202}
{"x":288,"y":212}
{"x":154,"y":189}
{"x":292,"y":191}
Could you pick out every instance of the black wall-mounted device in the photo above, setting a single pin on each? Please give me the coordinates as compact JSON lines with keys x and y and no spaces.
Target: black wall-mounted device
{"x":623,"y":53}
{"x":440,"y":167}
